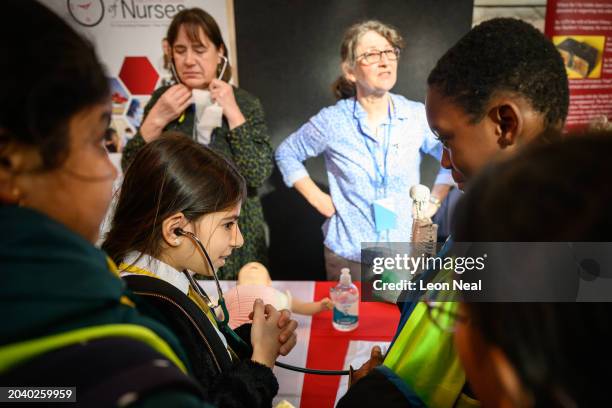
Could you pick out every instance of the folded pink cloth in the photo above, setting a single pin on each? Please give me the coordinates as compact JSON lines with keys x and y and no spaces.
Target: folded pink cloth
{"x":240,"y":300}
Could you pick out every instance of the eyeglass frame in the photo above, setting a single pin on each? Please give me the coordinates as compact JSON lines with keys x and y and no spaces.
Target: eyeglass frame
{"x":433,"y":305}
{"x":395,"y":51}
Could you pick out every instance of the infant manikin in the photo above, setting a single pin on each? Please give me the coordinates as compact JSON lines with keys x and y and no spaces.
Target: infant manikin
{"x":254,"y":283}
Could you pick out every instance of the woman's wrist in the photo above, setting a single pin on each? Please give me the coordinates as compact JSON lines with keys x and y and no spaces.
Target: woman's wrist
{"x":150,"y":130}
{"x":235,"y":118}
{"x":317,"y":199}
{"x":435,"y":201}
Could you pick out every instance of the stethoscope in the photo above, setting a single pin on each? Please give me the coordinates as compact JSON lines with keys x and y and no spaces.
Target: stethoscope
{"x":223,"y":323}
{"x":178,"y":80}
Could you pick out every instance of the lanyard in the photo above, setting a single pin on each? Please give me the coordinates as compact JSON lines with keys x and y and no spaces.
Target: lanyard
{"x":382,"y":175}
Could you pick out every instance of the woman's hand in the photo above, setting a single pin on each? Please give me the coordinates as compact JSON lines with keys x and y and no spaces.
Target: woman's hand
{"x":324,"y":204}
{"x":265,"y":334}
{"x":223,"y":93}
{"x":168,"y":107}
{"x":321,"y":201}
{"x":428,"y":212}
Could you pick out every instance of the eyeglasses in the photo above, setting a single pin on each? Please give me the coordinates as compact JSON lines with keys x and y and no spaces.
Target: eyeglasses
{"x":374,"y":57}
{"x":445,"y":315}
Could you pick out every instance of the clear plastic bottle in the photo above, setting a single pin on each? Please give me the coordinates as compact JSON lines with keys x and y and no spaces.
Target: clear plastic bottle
{"x":345,"y":296}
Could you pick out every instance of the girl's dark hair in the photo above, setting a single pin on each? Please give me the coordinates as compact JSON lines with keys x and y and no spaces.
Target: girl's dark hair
{"x":169,"y":175}
{"x":548,"y":192}
{"x":342,"y":88}
{"x":193,"y":19}
{"x":48,"y":74}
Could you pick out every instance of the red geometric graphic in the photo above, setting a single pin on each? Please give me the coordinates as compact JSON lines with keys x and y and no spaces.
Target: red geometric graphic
{"x":138,"y":75}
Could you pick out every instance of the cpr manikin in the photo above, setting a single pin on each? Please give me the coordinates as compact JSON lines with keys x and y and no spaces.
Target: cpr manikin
{"x":254,"y":283}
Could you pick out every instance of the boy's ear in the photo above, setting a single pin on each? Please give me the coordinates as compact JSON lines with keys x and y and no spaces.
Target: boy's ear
{"x":509,"y":123}
{"x":170,"y":224}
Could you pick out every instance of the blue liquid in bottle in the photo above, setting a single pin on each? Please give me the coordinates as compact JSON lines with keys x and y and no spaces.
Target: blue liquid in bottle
{"x":345,"y":296}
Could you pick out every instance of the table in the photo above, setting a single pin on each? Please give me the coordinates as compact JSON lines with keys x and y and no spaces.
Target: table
{"x":319,"y":345}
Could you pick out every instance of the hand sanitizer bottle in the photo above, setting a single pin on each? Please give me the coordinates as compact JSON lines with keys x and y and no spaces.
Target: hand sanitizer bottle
{"x":345,"y":296}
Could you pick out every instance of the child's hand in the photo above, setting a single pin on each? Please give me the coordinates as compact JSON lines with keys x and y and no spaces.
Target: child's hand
{"x":376,"y":359}
{"x":287,"y":337}
{"x":265,"y":334}
{"x":326,"y":304}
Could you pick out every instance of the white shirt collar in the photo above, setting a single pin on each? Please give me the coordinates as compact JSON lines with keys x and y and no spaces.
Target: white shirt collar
{"x":157,"y":268}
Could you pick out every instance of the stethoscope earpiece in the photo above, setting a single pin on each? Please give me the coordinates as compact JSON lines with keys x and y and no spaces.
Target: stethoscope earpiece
{"x":220,"y":76}
{"x":225,"y":62}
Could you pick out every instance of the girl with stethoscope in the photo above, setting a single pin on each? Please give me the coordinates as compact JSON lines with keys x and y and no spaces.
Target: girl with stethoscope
{"x":177,"y":215}
{"x":203,"y":106}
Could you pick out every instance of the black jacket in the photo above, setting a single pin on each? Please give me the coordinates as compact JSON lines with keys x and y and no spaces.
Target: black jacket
{"x":54,"y":282}
{"x":228,"y":383}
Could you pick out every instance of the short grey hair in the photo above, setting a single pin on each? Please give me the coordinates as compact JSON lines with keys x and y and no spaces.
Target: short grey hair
{"x":356,"y":31}
{"x":342,"y":88}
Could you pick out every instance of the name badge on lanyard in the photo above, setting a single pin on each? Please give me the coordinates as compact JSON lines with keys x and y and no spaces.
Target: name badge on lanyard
{"x":385,"y":214}
{"x":383,"y":207}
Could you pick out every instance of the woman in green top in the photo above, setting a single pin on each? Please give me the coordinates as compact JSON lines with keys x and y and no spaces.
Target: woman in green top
{"x":198,"y":60}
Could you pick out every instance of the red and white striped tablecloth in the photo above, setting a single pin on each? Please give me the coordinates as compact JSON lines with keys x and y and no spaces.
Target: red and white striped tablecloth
{"x":320,"y":346}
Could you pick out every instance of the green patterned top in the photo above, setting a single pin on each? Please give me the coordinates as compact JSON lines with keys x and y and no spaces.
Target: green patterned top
{"x":249,"y":147}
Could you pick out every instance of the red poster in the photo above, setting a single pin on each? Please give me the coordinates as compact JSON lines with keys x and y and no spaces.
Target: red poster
{"x":582,"y":32}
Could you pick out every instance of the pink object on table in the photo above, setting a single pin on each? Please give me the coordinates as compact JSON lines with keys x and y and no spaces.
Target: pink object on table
{"x":240,"y":300}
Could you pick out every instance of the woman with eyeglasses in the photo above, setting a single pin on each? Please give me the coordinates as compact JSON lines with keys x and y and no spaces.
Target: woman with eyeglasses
{"x":371,"y":140}
{"x":197,"y":56}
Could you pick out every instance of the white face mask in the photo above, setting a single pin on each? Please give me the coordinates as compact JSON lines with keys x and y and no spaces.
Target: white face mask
{"x":202,"y":99}
{"x":208,"y":115}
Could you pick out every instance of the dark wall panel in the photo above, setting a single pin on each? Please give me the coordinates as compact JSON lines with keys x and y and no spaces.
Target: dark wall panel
{"x":288,"y":54}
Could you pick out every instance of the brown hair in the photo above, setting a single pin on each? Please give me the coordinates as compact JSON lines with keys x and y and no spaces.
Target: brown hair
{"x":342,"y":88}
{"x":193,"y":19}
{"x":169,"y":175}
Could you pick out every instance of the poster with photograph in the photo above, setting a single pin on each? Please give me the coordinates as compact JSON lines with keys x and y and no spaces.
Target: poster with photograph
{"x":582,"y":32}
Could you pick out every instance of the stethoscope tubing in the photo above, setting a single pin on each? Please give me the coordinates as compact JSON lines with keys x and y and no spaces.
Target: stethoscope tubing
{"x":221,"y":303}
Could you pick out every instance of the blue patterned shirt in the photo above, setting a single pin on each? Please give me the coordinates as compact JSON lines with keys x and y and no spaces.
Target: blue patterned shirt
{"x":357,"y":166}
